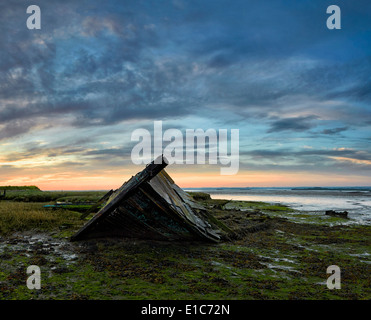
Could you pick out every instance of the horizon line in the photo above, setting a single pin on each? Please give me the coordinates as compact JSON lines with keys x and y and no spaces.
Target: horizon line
{"x":187,"y":188}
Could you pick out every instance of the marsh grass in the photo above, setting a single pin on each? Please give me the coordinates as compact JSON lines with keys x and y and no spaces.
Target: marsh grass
{"x":284,"y":260}
{"x":21,"y":216}
{"x":31,"y":195}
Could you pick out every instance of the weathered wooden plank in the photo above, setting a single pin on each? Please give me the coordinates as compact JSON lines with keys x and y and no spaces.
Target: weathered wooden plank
{"x":150,"y":205}
{"x":150,"y":171}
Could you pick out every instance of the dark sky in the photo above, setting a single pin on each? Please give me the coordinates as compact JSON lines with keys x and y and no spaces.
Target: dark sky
{"x":72,"y":92}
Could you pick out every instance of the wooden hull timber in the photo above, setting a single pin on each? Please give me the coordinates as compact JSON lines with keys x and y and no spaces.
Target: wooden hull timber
{"x":150,"y":206}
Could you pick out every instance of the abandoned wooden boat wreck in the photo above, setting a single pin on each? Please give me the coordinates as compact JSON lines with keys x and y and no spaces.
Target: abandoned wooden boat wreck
{"x":151,"y":206}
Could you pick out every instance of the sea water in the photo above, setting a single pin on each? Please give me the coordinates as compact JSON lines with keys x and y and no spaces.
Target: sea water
{"x":355,"y":200}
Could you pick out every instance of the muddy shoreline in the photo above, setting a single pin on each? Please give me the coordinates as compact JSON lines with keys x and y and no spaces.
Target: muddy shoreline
{"x":271,"y":258}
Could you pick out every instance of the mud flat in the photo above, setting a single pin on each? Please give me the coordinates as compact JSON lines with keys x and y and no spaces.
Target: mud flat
{"x":274,"y":253}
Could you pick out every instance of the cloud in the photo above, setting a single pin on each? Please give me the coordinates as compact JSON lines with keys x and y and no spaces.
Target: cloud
{"x":342,"y":161}
{"x":334,"y":130}
{"x":273,"y":70}
{"x":111,"y":152}
{"x":293,"y":124}
{"x":16,"y":128}
{"x":108,"y":66}
{"x":334,"y":152}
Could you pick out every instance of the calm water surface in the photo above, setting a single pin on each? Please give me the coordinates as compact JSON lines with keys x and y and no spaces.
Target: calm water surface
{"x":357,"y":201}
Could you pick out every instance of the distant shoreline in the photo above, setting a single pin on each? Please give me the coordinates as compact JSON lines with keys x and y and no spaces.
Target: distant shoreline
{"x":363,"y":188}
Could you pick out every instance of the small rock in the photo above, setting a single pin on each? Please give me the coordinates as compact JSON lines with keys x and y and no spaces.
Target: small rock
{"x":343,"y":214}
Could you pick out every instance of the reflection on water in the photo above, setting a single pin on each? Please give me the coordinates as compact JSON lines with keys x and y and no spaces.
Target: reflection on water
{"x":356,"y":202}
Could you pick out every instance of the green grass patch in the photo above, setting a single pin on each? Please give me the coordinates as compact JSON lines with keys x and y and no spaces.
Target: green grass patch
{"x":49,"y":196}
{"x":19,"y":216}
{"x":257,"y":205}
{"x":18,"y":188}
